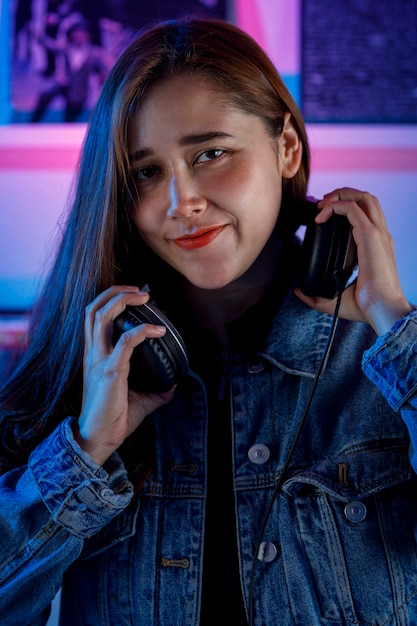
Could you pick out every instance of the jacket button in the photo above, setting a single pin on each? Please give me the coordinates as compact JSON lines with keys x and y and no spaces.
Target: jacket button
{"x":255,"y":367}
{"x":355,"y":511}
{"x":267,"y":551}
{"x":259,"y":453}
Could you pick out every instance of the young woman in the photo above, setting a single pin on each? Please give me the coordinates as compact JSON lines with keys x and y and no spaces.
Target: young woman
{"x":163,"y":507}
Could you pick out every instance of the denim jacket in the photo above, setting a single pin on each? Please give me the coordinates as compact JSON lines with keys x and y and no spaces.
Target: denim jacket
{"x":339,"y":546}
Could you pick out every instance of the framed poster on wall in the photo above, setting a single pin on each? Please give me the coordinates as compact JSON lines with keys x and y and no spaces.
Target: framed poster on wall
{"x":61,"y":51}
{"x":359,"y":61}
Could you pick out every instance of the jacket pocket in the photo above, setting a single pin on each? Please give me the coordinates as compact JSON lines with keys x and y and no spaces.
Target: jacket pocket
{"x":350,"y":547}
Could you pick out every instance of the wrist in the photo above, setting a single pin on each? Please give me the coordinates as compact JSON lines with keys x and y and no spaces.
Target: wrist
{"x":97,"y":452}
{"x":383,"y":316}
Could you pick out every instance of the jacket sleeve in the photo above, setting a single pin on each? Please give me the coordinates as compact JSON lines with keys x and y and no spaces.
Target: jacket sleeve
{"x":47,"y":510}
{"x":391,"y":364}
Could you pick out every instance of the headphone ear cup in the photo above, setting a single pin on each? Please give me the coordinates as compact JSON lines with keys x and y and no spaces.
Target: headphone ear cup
{"x":327,"y":248}
{"x":156,"y":365}
{"x":152,"y":368}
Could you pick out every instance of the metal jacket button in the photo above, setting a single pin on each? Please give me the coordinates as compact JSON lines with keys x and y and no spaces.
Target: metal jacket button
{"x":355,"y":511}
{"x":259,"y":453}
{"x":267,"y":551}
{"x":255,"y":367}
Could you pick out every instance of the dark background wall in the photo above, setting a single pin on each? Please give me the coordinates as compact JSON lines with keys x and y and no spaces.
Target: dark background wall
{"x":359,"y":60}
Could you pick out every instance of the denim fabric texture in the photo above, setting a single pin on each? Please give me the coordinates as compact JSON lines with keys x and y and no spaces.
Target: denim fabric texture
{"x":340,"y":543}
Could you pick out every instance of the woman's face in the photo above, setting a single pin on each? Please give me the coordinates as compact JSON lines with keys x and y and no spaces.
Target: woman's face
{"x":209,"y":180}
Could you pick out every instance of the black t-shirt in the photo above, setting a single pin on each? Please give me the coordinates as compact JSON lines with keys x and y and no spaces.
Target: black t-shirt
{"x":221,"y":580}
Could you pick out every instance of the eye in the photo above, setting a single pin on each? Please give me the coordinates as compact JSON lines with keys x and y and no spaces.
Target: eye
{"x":210,"y":155}
{"x":145,"y":173}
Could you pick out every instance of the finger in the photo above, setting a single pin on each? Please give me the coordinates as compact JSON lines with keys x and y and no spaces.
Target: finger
{"x":105,"y":316}
{"x":115,"y":366}
{"x":319,"y":304}
{"x":353,"y":203}
{"x":99,"y":302}
{"x":348,"y":308}
{"x":127,"y":342}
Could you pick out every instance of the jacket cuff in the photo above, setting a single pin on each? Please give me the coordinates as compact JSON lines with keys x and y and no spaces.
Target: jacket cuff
{"x":391,"y":362}
{"x":81,"y":495}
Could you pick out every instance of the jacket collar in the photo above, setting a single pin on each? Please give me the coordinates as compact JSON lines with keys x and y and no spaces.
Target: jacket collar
{"x":297,"y":337}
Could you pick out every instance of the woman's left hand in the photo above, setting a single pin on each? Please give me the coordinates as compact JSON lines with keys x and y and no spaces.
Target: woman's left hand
{"x":376,"y":296}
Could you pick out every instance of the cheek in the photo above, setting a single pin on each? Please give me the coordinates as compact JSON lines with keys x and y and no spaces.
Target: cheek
{"x":237,"y":181}
{"x":257,"y":191}
{"x":145,"y":219}
{"x":258,"y":177}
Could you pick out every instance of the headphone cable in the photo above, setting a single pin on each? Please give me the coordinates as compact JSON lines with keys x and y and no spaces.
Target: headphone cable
{"x":340,"y":277}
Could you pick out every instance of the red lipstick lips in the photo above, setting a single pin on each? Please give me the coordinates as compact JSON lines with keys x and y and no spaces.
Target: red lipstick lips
{"x":198,"y":239}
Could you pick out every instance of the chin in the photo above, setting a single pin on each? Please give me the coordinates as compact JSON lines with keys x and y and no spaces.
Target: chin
{"x":213,"y":280}
{"x":209,"y":285}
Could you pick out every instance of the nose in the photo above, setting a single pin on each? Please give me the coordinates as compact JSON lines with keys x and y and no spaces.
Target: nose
{"x":184,"y":196}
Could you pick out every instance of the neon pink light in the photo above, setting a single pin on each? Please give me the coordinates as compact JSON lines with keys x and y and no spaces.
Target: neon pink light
{"x":39,"y":158}
{"x":275,"y":25}
{"x":385,"y":158}
{"x":248,"y":19}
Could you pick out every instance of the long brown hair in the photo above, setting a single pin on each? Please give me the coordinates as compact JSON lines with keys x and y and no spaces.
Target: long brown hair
{"x":98,"y":241}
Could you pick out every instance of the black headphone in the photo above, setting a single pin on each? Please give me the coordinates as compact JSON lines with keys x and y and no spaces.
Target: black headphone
{"x":158,"y":364}
{"x":327,"y":249}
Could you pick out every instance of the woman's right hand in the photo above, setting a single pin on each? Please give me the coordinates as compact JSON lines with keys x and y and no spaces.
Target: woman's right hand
{"x":110,"y":410}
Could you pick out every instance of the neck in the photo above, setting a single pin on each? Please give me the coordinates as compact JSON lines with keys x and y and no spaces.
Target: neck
{"x":213,"y":309}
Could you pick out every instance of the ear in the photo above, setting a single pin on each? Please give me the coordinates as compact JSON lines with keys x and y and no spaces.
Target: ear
{"x":290,"y":148}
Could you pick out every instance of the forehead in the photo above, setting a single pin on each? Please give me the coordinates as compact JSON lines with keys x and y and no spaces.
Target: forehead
{"x":178,"y":85}
{"x":181,"y":102}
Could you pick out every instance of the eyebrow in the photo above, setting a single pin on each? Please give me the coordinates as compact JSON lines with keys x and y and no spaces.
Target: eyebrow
{"x":187,"y":140}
